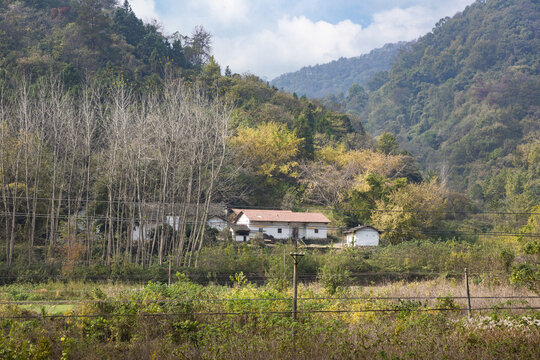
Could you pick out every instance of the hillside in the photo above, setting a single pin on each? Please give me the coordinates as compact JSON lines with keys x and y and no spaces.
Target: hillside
{"x":82,"y":39}
{"x":464,"y":99}
{"x":108,"y":123}
{"x":338,"y":76}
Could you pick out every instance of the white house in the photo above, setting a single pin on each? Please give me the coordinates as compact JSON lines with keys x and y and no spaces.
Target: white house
{"x":362,"y":235}
{"x":282,"y":224}
{"x":217,"y":222}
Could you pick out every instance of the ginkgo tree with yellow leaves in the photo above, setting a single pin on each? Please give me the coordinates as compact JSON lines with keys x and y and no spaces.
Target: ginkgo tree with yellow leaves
{"x":268,"y":158}
{"x":271,"y":149}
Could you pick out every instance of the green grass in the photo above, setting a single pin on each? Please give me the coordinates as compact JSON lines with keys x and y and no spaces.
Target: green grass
{"x":49,"y":309}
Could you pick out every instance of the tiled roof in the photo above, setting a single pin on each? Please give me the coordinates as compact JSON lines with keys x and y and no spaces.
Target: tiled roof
{"x":282,"y":216}
{"x":240,"y":229}
{"x":360,"y":227}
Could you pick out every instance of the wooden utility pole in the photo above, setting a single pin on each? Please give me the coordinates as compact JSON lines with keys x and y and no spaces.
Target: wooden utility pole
{"x":295,"y":256}
{"x":468,"y":293}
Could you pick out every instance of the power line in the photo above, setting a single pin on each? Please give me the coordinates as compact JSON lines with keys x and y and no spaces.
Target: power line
{"x":192,"y":300}
{"x":245,"y":313}
{"x":258,"y":275}
{"x":318,"y":208}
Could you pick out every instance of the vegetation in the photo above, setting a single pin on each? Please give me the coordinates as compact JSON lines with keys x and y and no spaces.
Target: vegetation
{"x":117,"y":142}
{"x":139,"y":126}
{"x":464,"y":100}
{"x":189,"y":320}
{"x":336,"y":77}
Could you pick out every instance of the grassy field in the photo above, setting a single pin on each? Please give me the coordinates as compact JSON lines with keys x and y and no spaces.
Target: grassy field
{"x":399,"y":320}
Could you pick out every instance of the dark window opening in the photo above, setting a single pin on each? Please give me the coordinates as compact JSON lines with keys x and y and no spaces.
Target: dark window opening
{"x":279,"y":230}
{"x":260,"y":229}
{"x":316,"y":231}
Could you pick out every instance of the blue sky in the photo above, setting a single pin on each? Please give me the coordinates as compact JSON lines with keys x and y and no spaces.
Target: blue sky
{"x":269,"y":38}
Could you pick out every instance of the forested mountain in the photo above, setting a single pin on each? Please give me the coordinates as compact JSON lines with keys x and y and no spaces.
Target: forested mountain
{"x":106,"y":123}
{"x":81,"y":38}
{"x":338,"y":76}
{"x":465,"y":100}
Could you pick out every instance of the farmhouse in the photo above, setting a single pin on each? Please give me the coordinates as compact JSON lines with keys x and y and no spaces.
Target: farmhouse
{"x":362,"y":235}
{"x":154,"y":215}
{"x":280,"y":224}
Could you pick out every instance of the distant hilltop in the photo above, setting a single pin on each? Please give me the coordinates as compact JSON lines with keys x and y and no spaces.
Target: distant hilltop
{"x":337,"y":76}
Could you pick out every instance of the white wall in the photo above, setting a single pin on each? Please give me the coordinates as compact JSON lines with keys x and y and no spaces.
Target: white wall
{"x":217,"y":223}
{"x":241,"y":238}
{"x":365,"y":237}
{"x":174,"y":222}
{"x":305,"y":230}
{"x":244,"y":220}
{"x":271,"y":229}
{"x":322,"y":232}
{"x":136,"y":235}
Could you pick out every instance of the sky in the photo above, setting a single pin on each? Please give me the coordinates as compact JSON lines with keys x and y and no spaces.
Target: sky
{"x":271,"y":37}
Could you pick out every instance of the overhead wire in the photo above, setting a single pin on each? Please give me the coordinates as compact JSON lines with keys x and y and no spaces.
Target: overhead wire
{"x":244,"y":313}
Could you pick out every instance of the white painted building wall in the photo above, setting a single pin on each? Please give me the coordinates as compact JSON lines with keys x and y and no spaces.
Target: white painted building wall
{"x":217,"y":223}
{"x":363,"y":237}
{"x":136,"y":235}
{"x":241,"y":237}
{"x":284,"y":230}
{"x":174,"y":222}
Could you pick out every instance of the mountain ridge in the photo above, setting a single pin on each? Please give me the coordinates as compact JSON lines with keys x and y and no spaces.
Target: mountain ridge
{"x":339,"y":75}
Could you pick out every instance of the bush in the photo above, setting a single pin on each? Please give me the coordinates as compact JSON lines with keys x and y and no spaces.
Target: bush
{"x":526,"y":275}
{"x":333,"y":277}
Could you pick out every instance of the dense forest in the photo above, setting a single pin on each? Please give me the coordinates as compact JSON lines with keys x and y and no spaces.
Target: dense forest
{"x":338,"y":76}
{"x":464,"y":100}
{"x":107,"y":124}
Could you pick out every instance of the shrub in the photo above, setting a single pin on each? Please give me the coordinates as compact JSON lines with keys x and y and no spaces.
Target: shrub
{"x":526,"y":275}
{"x":332,"y":277}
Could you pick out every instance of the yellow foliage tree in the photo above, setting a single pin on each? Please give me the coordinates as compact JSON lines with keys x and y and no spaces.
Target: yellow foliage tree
{"x":270,"y":148}
{"x":410,"y":212}
{"x":362,"y":161}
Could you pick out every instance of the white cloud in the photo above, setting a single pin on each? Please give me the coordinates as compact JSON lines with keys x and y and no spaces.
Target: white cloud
{"x":259,"y":37}
{"x":298,"y":41}
{"x":144,"y":9}
{"x":224,"y":11}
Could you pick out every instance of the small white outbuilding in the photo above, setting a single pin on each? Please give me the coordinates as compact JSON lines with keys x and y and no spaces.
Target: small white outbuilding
{"x":217,"y":222}
{"x":362,"y":235}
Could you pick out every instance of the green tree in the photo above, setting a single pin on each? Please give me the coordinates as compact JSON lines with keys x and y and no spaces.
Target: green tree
{"x":211,"y":72}
{"x":527,"y":273}
{"x":304,"y":127}
{"x":388,"y":143}
{"x":128,"y":24}
{"x":93,"y":23}
{"x":198,"y":47}
{"x":356,"y":99}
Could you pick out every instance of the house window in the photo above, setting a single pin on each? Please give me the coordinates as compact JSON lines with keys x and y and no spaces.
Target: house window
{"x":279,"y":230}
{"x":316,"y":231}
{"x":261,"y":230}
{"x":244,"y":237}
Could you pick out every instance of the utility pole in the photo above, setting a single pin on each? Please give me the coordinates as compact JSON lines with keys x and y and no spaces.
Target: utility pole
{"x":295,"y":256}
{"x":468,"y":293}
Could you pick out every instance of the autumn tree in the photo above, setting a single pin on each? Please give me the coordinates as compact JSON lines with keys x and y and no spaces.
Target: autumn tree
{"x":413,"y":212}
